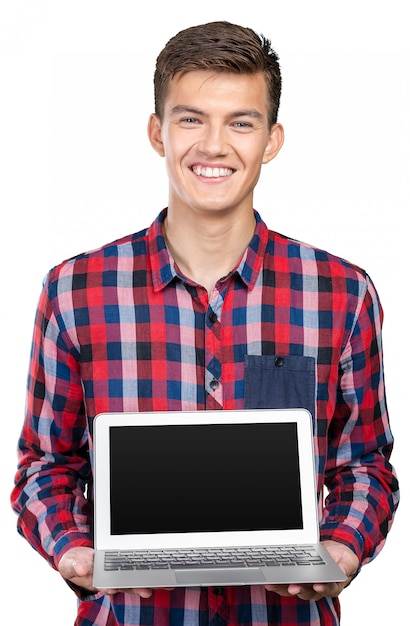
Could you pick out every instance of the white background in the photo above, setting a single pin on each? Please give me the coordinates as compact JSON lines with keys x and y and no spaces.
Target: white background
{"x":76,"y":171}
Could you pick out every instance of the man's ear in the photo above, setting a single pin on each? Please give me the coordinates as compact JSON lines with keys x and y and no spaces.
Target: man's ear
{"x":275,"y":142}
{"x":155,"y":134}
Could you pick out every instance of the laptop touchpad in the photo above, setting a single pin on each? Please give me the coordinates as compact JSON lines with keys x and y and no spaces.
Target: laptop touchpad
{"x":220,"y":577}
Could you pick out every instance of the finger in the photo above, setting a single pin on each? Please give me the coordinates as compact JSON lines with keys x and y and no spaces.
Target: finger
{"x":304,"y":592}
{"x":81,"y":568}
{"x":142,"y":592}
{"x":328,"y":590}
{"x":307,"y":592}
{"x":281,"y":590}
{"x":68,"y":568}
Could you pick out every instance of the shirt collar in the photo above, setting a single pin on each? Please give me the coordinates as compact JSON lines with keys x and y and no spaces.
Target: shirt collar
{"x":163,"y":267}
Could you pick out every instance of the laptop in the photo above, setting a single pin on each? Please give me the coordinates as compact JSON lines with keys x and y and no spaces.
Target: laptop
{"x":206,"y":498}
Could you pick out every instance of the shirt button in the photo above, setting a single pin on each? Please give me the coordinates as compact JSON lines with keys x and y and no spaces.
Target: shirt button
{"x":213,"y":317}
{"x":218,"y":591}
{"x":214,"y":384}
{"x":279,"y":361}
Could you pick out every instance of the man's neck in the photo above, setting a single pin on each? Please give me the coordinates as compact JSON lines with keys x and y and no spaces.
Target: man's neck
{"x":206,"y":248}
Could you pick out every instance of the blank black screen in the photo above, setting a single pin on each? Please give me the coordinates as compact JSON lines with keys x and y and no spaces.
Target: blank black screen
{"x":199,"y":478}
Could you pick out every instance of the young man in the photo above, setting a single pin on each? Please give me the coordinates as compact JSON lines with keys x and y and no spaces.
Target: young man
{"x":193,"y":313}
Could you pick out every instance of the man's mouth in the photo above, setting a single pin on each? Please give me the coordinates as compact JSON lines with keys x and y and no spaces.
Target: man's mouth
{"x":212,"y":172}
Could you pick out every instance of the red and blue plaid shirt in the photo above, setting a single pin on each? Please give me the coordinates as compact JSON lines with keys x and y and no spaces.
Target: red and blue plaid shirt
{"x":121,"y":329}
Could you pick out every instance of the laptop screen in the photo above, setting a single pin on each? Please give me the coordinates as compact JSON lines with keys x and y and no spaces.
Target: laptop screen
{"x":184,"y":478}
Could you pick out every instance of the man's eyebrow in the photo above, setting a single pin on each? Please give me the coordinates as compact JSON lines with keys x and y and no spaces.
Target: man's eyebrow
{"x":247,"y":113}
{"x":182,"y":108}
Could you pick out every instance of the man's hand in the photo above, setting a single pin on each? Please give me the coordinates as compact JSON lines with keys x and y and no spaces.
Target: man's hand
{"x":77,"y":566}
{"x":347,"y":561}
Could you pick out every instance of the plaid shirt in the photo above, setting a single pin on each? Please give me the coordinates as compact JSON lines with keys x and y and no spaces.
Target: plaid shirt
{"x":120,"y":329}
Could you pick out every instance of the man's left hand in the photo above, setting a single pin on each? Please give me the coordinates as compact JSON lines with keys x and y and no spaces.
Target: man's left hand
{"x":347,"y":561}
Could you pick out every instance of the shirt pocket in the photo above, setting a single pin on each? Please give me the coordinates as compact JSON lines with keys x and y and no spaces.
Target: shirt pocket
{"x":280,"y":382}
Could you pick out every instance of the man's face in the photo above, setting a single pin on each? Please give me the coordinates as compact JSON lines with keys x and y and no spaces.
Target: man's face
{"x":215,"y":137}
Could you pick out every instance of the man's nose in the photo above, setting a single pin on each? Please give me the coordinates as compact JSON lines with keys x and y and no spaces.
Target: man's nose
{"x":213,"y":141}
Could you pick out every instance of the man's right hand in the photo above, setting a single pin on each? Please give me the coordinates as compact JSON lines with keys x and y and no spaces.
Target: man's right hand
{"x":77,"y":566}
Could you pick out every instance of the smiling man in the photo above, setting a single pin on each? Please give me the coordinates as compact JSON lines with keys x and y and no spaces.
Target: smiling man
{"x":208,"y":309}
{"x":214,"y":151}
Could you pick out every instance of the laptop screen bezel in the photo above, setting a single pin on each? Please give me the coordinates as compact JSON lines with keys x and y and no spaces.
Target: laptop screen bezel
{"x":103,"y":539}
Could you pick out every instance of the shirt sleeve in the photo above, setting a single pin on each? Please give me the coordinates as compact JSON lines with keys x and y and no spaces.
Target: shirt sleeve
{"x":53,"y":466}
{"x":362,"y":485}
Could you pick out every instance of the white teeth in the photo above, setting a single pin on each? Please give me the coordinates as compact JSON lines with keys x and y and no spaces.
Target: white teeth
{"x":211,"y":172}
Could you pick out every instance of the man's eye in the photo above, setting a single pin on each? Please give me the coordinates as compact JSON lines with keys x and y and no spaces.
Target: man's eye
{"x":244,"y":125}
{"x":189,"y":120}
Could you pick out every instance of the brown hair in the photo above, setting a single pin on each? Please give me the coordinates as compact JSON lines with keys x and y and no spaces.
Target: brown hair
{"x":218,"y":47}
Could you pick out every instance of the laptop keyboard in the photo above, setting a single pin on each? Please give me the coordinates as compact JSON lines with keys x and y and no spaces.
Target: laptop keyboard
{"x":202,"y":558}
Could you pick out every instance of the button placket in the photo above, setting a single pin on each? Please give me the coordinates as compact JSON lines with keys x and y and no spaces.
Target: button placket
{"x":212,"y":317}
{"x":218,"y":611}
{"x":213,"y":353}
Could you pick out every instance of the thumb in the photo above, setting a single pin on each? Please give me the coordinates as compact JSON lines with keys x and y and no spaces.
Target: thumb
{"x":76,"y":563}
{"x":81,"y":568}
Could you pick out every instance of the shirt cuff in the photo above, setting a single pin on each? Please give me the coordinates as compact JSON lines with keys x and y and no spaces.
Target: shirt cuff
{"x":71,"y":539}
{"x":345,"y":534}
